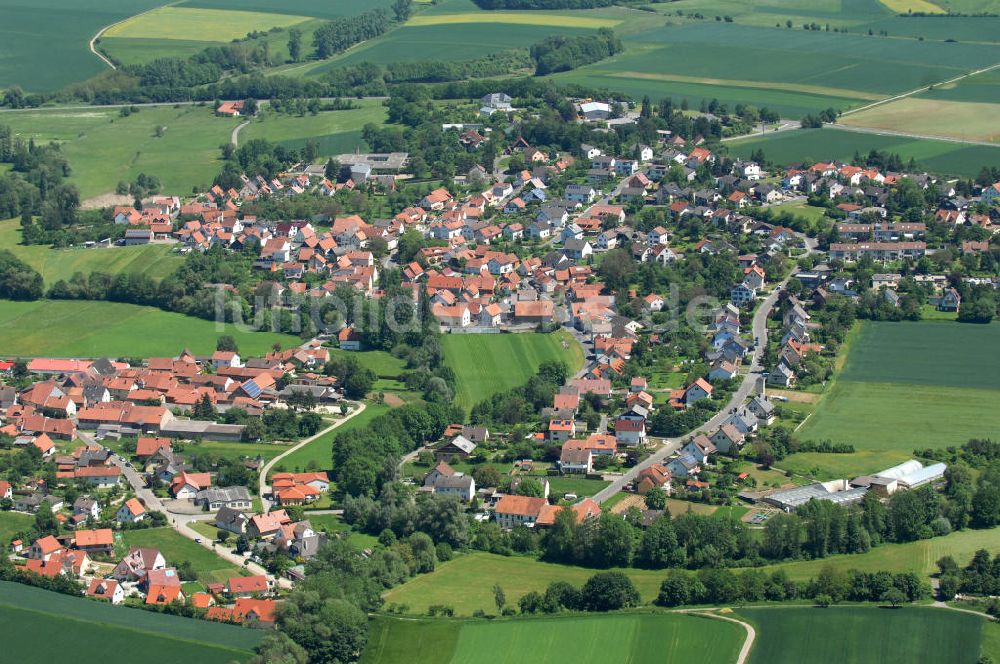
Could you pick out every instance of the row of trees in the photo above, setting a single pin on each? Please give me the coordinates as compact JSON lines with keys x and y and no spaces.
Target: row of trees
{"x":723,"y":586}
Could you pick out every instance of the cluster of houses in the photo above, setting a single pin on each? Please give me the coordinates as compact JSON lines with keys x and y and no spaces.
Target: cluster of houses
{"x":143,"y":574}
{"x":114,"y":398}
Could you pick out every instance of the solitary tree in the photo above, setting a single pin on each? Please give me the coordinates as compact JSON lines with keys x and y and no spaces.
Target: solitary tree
{"x":894,"y":596}
{"x":499,"y":597}
{"x":294,"y":44}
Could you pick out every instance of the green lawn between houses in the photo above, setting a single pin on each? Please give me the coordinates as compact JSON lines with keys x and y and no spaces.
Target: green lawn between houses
{"x":40,"y":626}
{"x":864,"y":635}
{"x":11,"y":523}
{"x":176,"y":548}
{"x":607,"y":639}
{"x":466,"y":583}
{"x":487,"y":364}
{"x":905,"y":386}
{"x":319,"y":452}
{"x":69,"y":328}
{"x":153,"y":260}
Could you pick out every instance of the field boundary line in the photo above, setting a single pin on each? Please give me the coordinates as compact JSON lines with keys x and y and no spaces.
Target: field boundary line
{"x":920,"y":89}
{"x":100,"y":32}
{"x":904,"y":134}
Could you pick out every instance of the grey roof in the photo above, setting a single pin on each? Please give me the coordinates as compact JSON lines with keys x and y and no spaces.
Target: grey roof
{"x":793,"y":498}
{"x":454,"y":482}
{"x":464,"y":444}
{"x":224,"y":494}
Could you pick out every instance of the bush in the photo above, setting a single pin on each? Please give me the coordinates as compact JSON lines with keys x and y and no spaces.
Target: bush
{"x":609,"y":591}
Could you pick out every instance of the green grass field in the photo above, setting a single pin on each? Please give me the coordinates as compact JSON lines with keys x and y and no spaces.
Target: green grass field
{"x":235,"y":451}
{"x":320,"y":450}
{"x":911,"y":385}
{"x":810,"y":145}
{"x":334,"y":132}
{"x":864,"y":635}
{"x":466,"y":583}
{"x":103,"y":148}
{"x":490,"y":363}
{"x":154,"y":260}
{"x":37,"y":625}
{"x":632,"y":638}
{"x":62,"y":328}
{"x":176,"y":548}
{"x":11,"y":523}
{"x":43,"y":45}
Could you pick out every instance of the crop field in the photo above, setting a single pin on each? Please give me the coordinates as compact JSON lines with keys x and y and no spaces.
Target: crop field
{"x":514,"y":18}
{"x":37,"y":625}
{"x":466,"y":582}
{"x":67,"y":328}
{"x":176,"y":548}
{"x":200,"y":24}
{"x":43,"y":44}
{"x":154,"y":260}
{"x":912,"y":385}
{"x":983,"y":88}
{"x":327,"y":9}
{"x":810,"y":145}
{"x":864,"y":635}
{"x":103,"y":148}
{"x":793,"y":71}
{"x":319,"y":452}
{"x":963,"y":120}
{"x":490,"y":363}
{"x":633,"y":638}
{"x":334,"y":132}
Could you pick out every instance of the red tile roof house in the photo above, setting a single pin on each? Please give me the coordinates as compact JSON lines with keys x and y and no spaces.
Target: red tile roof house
{"x":248,"y":586}
{"x":106,"y":589}
{"x":100,"y":541}
{"x":132,"y":511}
{"x":162,"y":586}
{"x":513,"y":511}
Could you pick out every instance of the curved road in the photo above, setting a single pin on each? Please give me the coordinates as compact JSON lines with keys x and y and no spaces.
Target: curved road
{"x":745,"y":389}
{"x":234,"y":138}
{"x":264,"y":488}
{"x":751,"y":632}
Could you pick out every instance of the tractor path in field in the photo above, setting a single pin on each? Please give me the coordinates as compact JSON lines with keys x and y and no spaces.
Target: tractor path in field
{"x":922,"y":88}
{"x":234,"y":138}
{"x":751,"y":632}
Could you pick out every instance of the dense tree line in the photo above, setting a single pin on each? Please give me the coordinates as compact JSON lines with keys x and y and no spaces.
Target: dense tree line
{"x":18,"y":280}
{"x":340,"y":34}
{"x":723,"y":586}
{"x":980,"y":577}
{"x":399,"y":510}
{"x":543,"y":4}
{"x":364,"y":459}
{"x":560,"y":53}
